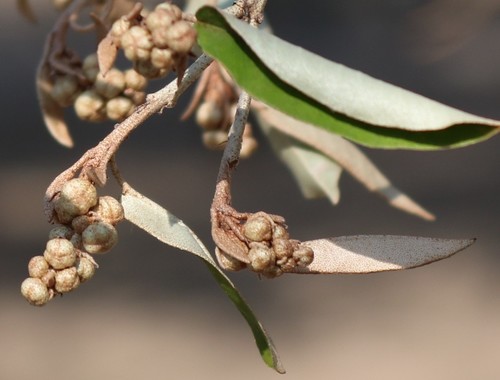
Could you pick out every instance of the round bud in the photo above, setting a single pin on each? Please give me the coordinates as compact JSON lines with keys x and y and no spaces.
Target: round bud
{"x":81,"y":222}
{"x":90,"y":67}
{"x":248,"y":146}
{"x":137,"y":43}
{"x":35,"y":291}
{"x":67,"y":280}
{"x":38,"y":266}
{"x":283,"y":249}
{"x":134,"y":80}
{"x":85,"y":269}
{"x":258,"y":228}
{"x":163,"y":16}
{"x":109,"y":210}
{"x":280,"y":232}
{"x":77,"y":242}
{"x":119,"y":28}
{"x":215,"y":139}
{"x":137,"y":97}
{"x":89,"y":106}
{"x":180,"y":37}
{"x":119,"y":108}
{"x":49,"y":279}
{"x":146,"y":68}
{"x":61,"y":231}
{"x":261,"y":257}
{"x":110,"y":85}
{"x":228,"y":262}
{"x":99,"y":237}
{"x":77,"y":196}
{"x":272,"y":272}
{"x":303,"y":255}
{"x":209,"y":115}
{"x":162,"y":58}
{"x":60,"y":253}
{"x":65,"y":90}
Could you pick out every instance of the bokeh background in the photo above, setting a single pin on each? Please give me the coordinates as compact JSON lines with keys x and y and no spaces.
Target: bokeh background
{"x":154,"y":313}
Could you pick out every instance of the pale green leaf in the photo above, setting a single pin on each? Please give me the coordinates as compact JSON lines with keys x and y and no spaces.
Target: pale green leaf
{"x":167,"y":228}
{"x":378,"y":253}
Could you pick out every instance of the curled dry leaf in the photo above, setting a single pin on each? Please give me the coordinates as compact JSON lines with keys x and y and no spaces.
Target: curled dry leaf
{"x":106,"y":54}
{"x":378,"y":253}
{"x":170,"y":230}
{"x":53,"y":114}
{"x":344,"y":153}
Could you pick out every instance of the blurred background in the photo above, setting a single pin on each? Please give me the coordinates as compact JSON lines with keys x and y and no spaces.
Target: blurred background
{"x":152,"y":312}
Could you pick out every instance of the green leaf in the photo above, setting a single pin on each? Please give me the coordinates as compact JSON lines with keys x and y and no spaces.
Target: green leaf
{"x":167,"y":228}
{"x":334,"y":97}
{"x":378,"y":253}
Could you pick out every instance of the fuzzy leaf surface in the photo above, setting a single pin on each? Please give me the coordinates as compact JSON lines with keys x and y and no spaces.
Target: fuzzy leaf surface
{"x":332,"y":96}
{"x":167,"y":228}
{"x":378,"y":253}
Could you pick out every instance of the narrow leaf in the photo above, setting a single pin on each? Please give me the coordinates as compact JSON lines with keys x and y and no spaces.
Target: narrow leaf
{"x":316,"y":175}
{"x":170,"y":230}
{"x":106,"y":54}
{"x":378,"y":253}
{"x":345,"y":154}
{"x":53,"y":114}
{"x":332,"y":96}
{"x":24,"y":7}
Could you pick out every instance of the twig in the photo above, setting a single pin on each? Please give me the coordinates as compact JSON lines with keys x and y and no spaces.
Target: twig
{"x":94,"y":162}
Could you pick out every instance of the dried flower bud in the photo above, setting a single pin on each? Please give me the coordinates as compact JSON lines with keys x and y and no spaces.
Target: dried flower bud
{"x":119,"y":108}
{"x":134,"y":80}
{"x":89,"y":106}
{"x":109,"y":210}
{"x":162,"y":58}
{"x":137,"y":43}
{"x":81,"y":222}
{"x":258,"y":228}
{"x":65,"y":90}
{"x":90,"y":67}
{"x":77,"y":196}
{"x":77,"y":242}
{"x":280,"y":232}
{"x":261,"y":257}
{"x":209,"y":115}
{"x":61,"y":231}
{"x":215,"y":139}
{"x":303,"y":255}
{"x":99,"y":237}
{"x":283,"y":249}
{"x":228,"y":262}
{"x":49,"y":279}
{"x":67,"y":280}
{"x":35,"y":291}
{"x":110,"y":85}
{"x":180,"y":37}
{"x":146,"y":68}
{"x":119,"y":28}
{"x":60,"y":253}
{"x":85,"y":269}
{"x":38,"y":266}
{"x":163,"y":16}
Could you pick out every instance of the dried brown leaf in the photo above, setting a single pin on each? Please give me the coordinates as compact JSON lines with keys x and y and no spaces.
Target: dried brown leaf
{"x":378,"y":253}
{"x":106,"y":54}
{"x":24,"y":7}
{"x":52,"y":112}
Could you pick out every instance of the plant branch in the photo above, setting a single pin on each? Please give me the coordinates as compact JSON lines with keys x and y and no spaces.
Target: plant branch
{"x":94,"y":162}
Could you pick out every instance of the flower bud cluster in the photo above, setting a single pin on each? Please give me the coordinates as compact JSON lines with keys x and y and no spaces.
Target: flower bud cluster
{"x":271,"y":251}
{"x":156,"y":43}
{"x":96,"y":97}
{"x":216,"y":111}
{"x":87,"y":227}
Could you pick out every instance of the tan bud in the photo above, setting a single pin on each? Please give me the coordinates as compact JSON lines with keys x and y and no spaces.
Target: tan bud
{"x":77,"y":196}
{"x":110,"y":85}
{"x":85,"y":269}
{"x":89,"y":106}
{"x":258,"y":228}
{"x":109,"y":210}
{"x":99,"y":237}
{"x":35,"y":291}
{"x":67,"y":280}
{"x":60,"y":253}
{"x":119,"y":108}
{"x":38,"y":266}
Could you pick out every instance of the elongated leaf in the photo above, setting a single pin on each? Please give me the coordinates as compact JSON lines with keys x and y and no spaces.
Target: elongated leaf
{"x":378,"y":253}
{"x":53,"y":113}
{"x":316,"y":175}
{"x":345,"y":154}
{"x":170,"y":230}
{"x":332,"y":96}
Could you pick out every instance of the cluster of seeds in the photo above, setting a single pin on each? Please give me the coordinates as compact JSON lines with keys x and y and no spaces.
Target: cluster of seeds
{"x":271,"y":251}
{"x":215,"y":104}
{"x":87,"y":227}
{"x":157,"y":42}
{"x":96,"y":97}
